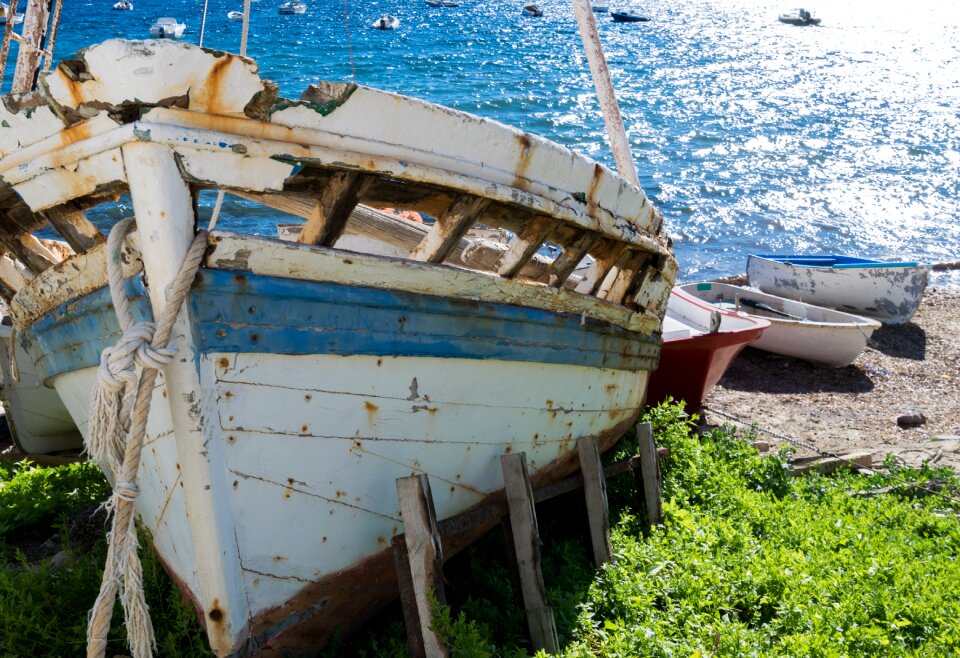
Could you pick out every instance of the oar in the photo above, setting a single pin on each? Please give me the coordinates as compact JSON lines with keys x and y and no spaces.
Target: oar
{"x":760,"y":306}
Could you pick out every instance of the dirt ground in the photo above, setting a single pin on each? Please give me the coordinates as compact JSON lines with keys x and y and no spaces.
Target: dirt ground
{"x":906,"y":369}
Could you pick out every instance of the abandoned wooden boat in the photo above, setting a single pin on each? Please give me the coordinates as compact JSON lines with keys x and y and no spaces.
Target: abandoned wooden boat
{"x":804,"y":331}
{"x":887,"y":291}
{"x":700,"y":341}
{"x":307,"y":377}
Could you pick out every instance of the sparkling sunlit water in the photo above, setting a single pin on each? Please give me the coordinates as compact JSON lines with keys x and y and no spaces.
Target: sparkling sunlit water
{"x":749,"y":134}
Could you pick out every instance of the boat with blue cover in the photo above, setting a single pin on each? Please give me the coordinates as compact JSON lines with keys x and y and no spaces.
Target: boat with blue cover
{"x":296,"y":381}
{"x":887,"y":291}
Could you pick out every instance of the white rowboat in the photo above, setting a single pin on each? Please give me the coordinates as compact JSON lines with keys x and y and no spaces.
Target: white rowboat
{"x":804,"y":331}
{"x":890,"y":292}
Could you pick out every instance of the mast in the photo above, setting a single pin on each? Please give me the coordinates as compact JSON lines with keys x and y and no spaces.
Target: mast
{"x":608,"y":100}
{"x":31,"y":45}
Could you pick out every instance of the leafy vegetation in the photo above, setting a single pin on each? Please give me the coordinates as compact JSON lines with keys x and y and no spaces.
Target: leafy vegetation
{"x":749,"y":561}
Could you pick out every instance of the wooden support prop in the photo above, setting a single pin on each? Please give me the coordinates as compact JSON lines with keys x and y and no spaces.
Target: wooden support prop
{"x":595,"y":491}
{"x":446,"y":232}
{"x":7,"y":36}
{"x":524,"y":246}
{"x":564,"y":265}
{"x":337,"y":201}
{"x":526,"y":543}
{"x":648,"y":480}
{"x":75,"y":228}
{"x":423,"y":568}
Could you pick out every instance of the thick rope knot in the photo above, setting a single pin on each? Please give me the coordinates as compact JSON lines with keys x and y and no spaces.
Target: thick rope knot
{"x":127,"y":490}
{"x":118,"y":424}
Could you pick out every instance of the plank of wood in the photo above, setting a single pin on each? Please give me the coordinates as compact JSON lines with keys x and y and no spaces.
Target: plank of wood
{"x":524,"y":246}
{"x":12,"y":276}
{"x":649,"y":474}
{"x":450,"y":227}
{"x":27,"y":249}
{"x":337,"y":201}
{"x":73,"y":225}
{"x":526,"y":544}
{"x":607,"y":253}
{"x":855,"y":461}
{"x":573,"y":252}
{"x":595,"y":492}
{"x":625,"y":277}
{"x":425,"y":562}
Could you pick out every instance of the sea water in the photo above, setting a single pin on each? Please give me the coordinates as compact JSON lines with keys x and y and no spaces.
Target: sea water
{"x":750,"y":135}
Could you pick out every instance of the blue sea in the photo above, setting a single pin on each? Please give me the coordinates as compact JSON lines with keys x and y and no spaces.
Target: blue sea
{"x":750,"y":135}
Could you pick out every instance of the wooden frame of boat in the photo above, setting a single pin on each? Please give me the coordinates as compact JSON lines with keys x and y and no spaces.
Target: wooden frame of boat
{"x":307,"y":377}
{"x":887,"y":291}
{"x":817,"y":334}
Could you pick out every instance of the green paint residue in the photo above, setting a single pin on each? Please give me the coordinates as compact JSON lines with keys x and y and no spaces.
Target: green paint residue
{"x":142,"y":135}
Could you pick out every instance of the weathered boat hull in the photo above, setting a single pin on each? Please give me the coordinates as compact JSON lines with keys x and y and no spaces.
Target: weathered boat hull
{"x":307,"y":377}
{"x":316,"y":406}
{"x":697,"y":349}
{"x":889,"y":292}
{"x":825,"y":336}
{"x":39,"y":423}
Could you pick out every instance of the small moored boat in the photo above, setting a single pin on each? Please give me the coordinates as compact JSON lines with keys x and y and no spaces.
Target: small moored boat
{"x":700,"y":341}
{"x":442,"y":3}
{"x":167,"y":28}
{"x":292,"y":7}
{"x":799,"y":17}
{"x":123,"y":5}
{"x":386,"y":22}
{"x":532,"y":10}
{"x":804,"y":331}
{"x":235,"y":15}
{"x":601,"y":9}
{"x":628,"y":17}
{"x":887,"y":291}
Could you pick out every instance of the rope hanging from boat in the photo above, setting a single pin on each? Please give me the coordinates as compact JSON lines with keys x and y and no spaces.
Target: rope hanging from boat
{"x":54,"y":24}
{"x":118,"y":422}
{"x":7,"y":35}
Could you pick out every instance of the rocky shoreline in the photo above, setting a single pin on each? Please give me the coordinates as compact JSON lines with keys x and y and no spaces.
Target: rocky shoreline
{"x":911,"y":369}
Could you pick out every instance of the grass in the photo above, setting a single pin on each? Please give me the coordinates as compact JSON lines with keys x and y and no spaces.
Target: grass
{"x":748,"y":562}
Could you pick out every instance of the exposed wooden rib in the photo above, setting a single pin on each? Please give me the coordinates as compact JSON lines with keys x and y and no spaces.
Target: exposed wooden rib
{"x":446,"y":232}
{"x":337,"y":201}
{"x":12,"y":276}
{"x":624,"y":278}
{"x":573,"y":252}
{"x":525,"y":245}
{"x":74,"y":226}
{"x":387,"y":227}
{"x":606,"y":253}
{"x":27,"y":249}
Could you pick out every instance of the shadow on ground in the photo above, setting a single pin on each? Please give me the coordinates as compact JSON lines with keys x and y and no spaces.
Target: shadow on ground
{"x":756,"y":371}
{"x":903,"y":341}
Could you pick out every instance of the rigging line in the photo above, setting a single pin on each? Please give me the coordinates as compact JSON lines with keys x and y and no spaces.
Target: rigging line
{"x":203,"y":23}
{"x":346,"y":16}
{"x":54,"y":24}
{"x":215,"y":215}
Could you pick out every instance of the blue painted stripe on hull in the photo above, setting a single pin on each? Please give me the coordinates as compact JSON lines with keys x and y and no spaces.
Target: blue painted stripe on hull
{"x":242,"y":312}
